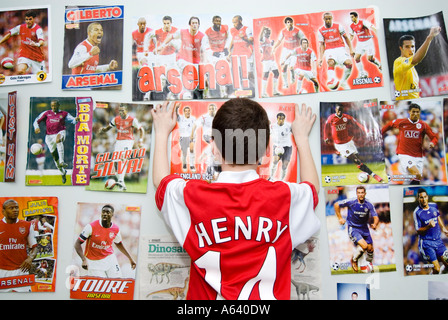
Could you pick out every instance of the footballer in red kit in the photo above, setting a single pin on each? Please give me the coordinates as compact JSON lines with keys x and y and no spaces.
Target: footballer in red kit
{"x":412,"y":132}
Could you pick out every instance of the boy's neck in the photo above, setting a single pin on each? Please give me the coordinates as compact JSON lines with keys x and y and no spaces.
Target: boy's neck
{"x":238,"y":167}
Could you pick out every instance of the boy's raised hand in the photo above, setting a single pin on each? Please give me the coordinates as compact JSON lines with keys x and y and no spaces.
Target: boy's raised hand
{"x":303,"y":121}
{"x":164,"y":118}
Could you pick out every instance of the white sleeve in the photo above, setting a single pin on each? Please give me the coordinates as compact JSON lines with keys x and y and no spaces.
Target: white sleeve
{"x":79,"y":56}
{"x":303,"y":220}
{"x":86,"y":232}
{"x":174,"y":210}
{"x":31,"y":238}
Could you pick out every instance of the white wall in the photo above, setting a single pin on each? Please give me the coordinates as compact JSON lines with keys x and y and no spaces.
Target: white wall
{"x":392,"y":285}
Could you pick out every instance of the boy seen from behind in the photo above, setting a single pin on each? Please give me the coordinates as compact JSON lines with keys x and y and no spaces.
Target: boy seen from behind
{"x":239,"y":230}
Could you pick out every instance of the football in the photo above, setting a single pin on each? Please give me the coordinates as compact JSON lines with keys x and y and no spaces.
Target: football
{"x":333,"y":84}
{"x":36,"y":149}
{"x":367,"y":268}
{"x":7,"y":63}
{"x":279,"y":151}
{"x":363,"y":177}
{"x":110,"y":184}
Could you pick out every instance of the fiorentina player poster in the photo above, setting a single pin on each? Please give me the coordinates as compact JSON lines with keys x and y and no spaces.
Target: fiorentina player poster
{"x":59,"y":141}
{"x":425,"y":215}
{"x":415,"y":75}
{"x":105,"y":250}
{"x":93,"y":47}
{"x":414,"y":146}
{"x":164,"y":268}
{"x":351,"y":144}
{"x":191,"y":154}
{"x":317,"y":52}
{"x":120,"y":147}
{"x":362,"y":214}
{"x":184,"y":57}
{"x":8,"y":136}
{"x":25,"y":46}
{"x":32,"y":244}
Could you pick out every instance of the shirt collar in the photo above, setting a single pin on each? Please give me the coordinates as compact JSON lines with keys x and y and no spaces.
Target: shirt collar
{"x":237,"y":176}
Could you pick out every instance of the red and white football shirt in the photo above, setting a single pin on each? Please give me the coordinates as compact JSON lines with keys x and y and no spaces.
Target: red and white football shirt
{"x":125,"y":127}
{"x":239,"y":232}
{"x":332,"y":37}
{"x":35,"y":34}
{"x":99,"y":240}
{"x":341,"y":129}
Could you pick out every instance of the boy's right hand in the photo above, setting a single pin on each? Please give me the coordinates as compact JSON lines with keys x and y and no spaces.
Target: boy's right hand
{"x":303,"y":121}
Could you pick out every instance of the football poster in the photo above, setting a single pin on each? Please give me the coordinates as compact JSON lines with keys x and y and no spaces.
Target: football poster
{"x":413,"y":139}
{"x":105,"y":251}
{"x":191,"y":153}
{"x":425,"y":230}
{"x":417,"y":57}
{"x":317,"y":52}
{"x":59,"y":141}
{"x":351,"y":143}
{"x":93,"y":47}
{"x":164,"y":268}
{"x":184,"y":57}
{"x":29,"y":241}
{"x":359,"y":228}
{"x":8,"y":136}
{"x":25,"y":46}
{"x":121,"y":143}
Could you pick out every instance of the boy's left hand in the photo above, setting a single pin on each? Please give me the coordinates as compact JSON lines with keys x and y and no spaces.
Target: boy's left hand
{"x":164,"y":118}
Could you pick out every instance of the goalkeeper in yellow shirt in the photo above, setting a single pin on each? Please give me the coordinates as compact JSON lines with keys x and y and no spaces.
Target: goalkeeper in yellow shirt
{"x":405,"y":76}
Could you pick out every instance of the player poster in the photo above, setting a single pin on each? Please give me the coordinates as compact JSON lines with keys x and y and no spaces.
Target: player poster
{"x":306,"y":282}
{"x":205,"y":56}
{"x":93,"y":47}
{"x":425,"y":230}
{"x":120,"y":147}
{"x":317,"y":52}
{"x":8,"y":137}
{"x":414,"y":146}
{"x":191,"y":153}
{"x":105,"y":250}
{"x":351,"y":143}
{"x":417,"y":56}
{"x":59,"y":141}
{"x":359,"y":229}
{"x":25,"y":46}
{"x":164,"y":269}
{"x":353,"y":291}
{"x":29,"y":242}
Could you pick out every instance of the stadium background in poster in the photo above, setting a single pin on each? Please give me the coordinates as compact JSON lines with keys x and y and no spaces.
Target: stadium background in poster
{"x":76,"y":151}
{"x":434,"y":166}
{"x":77,"y":20}
{"x":239,"y":77}
{"x":9,"y":19}
{"x":83,"y":286}
{"x":341,"y":248}
{"x":33,"y":208}
{"x":202,"y":149}
{"x":103,"y":167}
{"x":309,"y":24}
{"x":338,"y":170}
{"x":413,"y":262}
{"x":433,"y":69}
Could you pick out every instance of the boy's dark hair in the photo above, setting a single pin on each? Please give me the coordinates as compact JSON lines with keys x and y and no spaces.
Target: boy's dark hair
{"x":240,"y":130}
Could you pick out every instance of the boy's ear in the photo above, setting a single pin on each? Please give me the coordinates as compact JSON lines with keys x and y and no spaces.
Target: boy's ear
{"x":215,"y":151}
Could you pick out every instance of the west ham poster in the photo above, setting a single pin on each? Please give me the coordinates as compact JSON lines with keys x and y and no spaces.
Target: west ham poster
{"x":317,"y":52}
{"x":184,"y":57}
{"x":8,"y":136}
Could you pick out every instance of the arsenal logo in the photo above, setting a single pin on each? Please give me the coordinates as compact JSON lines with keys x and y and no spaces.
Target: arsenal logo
{"x":22,"y":230}
{"x":111,"y":235}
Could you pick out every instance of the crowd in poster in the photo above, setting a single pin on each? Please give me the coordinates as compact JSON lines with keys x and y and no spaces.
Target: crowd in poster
{"x":417,"y":56}
{"x":351,"y":143}
{"x":425,"y":230}
{"x":413,"y":141}
{"x":93,"y":47}
{"x":8,"y":137}
{"x":192,"y":57}
{"x":59,"y":141}
{"x":98,"y":270}
{"x":317,"y":52}
{"x":25,"y":46}
{"x":120,"y":147}
{"x":359,"y":229}
{"x":29,"y":244}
